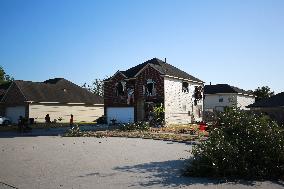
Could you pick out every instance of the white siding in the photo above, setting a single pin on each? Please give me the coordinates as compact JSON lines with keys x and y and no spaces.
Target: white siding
{"x":81,"y":113}
{"x":179,"y":106}
{"x":211,"y":102}
{"x":244,"y":101}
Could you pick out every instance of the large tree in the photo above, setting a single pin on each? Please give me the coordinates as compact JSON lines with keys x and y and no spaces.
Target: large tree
{"x":262,"y":93}
{"x":4,"y":78}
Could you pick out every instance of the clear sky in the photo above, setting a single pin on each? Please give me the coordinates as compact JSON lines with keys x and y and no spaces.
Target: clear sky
{"x":239,"y":42}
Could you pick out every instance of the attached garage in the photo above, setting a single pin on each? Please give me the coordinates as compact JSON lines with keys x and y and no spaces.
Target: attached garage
{"x":120,"y":114}
{"x":15,"y":112}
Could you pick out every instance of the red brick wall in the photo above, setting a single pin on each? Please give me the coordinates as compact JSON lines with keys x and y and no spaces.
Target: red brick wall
{"x":149,"y":73}
{"x":112,"y":100}
{"x":110,"y":97}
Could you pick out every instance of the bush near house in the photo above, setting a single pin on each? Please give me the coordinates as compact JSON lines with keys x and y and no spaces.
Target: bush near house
{"x":244,"y":145}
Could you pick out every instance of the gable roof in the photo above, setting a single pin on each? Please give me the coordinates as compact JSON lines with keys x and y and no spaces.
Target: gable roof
{"x":3,"y":88}
{"x":163,"y":67}
{"x":57,"y":90}
{"x":273,"y":101}
{"x":224,"y":88}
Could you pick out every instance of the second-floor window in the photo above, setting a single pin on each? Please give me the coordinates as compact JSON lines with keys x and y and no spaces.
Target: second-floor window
{"x":120,"y":88}
{"x":185,"y":87}
{"x":221,"y":99}
{"x":150,"y":88}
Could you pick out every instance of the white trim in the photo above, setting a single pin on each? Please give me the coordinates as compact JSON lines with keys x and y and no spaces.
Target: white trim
{"x":149,"y":64}
{"x":75,"y":103}
{"x":199,"y":82}
{"x":48,"y":102}
{"x":98,"y":104}
{"x":29,"y":101}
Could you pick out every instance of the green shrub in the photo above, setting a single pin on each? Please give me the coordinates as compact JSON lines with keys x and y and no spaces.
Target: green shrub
{"x":243,"y":145}
{"x":74,"y":132}
{"x":139,"y":126}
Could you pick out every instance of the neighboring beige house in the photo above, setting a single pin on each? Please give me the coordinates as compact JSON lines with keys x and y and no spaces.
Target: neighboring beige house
{"x":57,"y":97}
{"x":217,"y":97}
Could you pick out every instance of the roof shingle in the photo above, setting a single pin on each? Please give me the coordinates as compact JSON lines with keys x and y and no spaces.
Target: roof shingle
{"x":224,"y":88}
{"x":161,"y":66}
{"x":57,"y":90}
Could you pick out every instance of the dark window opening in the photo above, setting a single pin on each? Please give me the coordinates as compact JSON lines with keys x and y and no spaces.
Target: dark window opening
{"x":119,"y":89}
{"x":150,"y":87}
{"x":185,"y":87}
{"x":221,"y":99}
{"x":198,"y":93}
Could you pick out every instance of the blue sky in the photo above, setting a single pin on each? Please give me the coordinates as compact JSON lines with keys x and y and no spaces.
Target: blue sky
{"x":239,"y":42}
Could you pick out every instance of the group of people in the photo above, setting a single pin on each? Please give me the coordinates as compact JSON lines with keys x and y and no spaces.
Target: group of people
{"x":47,"y":119}
{"x":23,"y":124}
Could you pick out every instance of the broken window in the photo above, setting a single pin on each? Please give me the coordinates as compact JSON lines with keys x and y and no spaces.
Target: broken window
{"x":198,"y":93}
{"x":185,"y":87}
{"x":130,"y":95}
{"x":150,"y":88}
{"x":120,"y":88}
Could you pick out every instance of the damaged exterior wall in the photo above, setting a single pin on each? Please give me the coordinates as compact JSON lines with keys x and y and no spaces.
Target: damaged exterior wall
{"x":179,"y":105}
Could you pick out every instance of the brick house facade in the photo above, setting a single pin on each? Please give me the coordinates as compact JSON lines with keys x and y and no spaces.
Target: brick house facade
{"x":130,"y":95}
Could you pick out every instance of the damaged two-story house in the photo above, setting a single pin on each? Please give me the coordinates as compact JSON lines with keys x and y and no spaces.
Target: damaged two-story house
{"x":130,"y":95}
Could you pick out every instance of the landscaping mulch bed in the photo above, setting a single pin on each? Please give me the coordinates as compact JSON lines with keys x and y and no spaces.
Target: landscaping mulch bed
{"x":156,"y":134}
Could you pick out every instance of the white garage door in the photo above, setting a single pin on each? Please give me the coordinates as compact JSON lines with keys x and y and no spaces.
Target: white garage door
{"x":121,"y":115}
{"x":15,"y":112}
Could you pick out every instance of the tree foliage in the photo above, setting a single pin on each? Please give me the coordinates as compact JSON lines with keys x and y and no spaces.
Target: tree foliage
{"x":243,"y":145}
{"x":262,"y":93}
{"x":97,"y":87}
{"x":4,"y":78}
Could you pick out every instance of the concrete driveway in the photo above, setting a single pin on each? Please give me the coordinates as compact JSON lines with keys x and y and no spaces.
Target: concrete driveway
{"x":51,"y":162}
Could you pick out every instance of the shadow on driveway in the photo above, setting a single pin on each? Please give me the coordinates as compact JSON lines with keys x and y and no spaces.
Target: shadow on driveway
{"x":169,"y":174}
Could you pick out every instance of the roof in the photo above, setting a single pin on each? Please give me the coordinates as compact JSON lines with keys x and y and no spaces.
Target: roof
{"x":163,"y":67}
{"x":3,"y":88}
{"x":273,"y":101}
{"x":224,"y":88}
{"x":57,"y":90}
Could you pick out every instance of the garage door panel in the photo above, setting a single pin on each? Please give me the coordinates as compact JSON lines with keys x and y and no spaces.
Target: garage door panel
{"x":15,"y":112}
{"x":121,"y":115}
